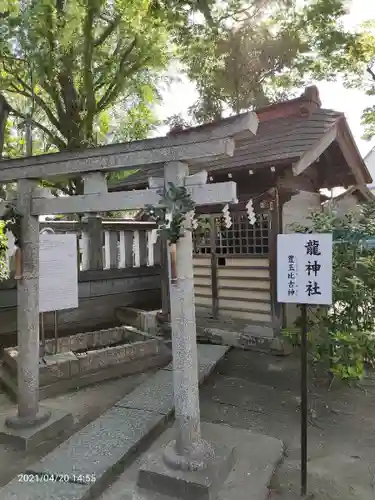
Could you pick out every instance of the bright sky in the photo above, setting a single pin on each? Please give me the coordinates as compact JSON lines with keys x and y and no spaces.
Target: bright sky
{"x":333,"y":95}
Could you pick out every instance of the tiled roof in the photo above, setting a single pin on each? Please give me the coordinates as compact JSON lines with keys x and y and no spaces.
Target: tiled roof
{"x":286,"y":138}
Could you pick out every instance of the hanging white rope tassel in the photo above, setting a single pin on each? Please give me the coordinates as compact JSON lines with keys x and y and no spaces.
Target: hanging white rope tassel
{"x":193,"y":219}
{"x":153,"y":236}
{"x":11,"y":244}
{"x":250,"y":212}
{"x":168,"y":219}
{"x":13,"y":249}
{"x":227,"y":217}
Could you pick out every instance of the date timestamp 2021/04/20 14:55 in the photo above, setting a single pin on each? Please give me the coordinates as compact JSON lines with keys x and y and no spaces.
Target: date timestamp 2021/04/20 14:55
{"x":56,"y":478}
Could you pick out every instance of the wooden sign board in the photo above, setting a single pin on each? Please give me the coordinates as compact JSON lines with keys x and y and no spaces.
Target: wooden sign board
{"x":58,"y":272}
{"x":304,"y":268}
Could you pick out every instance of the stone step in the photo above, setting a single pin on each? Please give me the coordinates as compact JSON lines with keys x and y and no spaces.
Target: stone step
{"x":235,"y":333}
{"x":253,"y":335}
{"x":82,"y":467}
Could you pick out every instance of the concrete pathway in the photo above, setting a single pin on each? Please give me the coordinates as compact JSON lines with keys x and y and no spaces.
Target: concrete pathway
{"x":81,"y":467}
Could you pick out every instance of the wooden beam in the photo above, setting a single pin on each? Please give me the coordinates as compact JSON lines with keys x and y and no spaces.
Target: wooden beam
{"x":127,"y":200}
{"x":289,"y":181}
{"x":47,"y":166}
{"x":313,"y":154}
{"x":218,"y":175}
{"x":210,"y":194}
{"x":353,"y":158}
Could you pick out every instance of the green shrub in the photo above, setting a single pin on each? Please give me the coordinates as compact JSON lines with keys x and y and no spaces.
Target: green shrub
{"x":3,"y":248}
{"x":342,"y":337}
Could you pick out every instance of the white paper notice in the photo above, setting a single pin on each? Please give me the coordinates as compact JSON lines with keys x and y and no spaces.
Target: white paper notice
{"x":58,"y":272}
{"x":304,"y":268}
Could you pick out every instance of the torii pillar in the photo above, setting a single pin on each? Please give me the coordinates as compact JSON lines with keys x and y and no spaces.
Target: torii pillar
{"x":32,"y":423}
{"x":181,"y":464}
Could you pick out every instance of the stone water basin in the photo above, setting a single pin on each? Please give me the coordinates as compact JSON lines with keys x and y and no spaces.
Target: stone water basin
{"x":87,"y":358}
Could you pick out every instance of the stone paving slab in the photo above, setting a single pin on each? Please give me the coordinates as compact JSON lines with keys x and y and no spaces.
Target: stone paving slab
{"x":98,"y":446}
{"x":157,"y":394}
{"x":154,"y":395}
{"x":44,"y":490}
{"x":89,"y":456}
{"x":105,"y":443}
{"x":208,"y":356}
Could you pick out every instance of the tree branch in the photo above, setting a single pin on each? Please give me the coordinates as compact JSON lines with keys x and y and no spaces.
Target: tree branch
{"x":107,"y":31}
{"x":38,"y":100}
{"x":101,"y":70}
{"x":102,"y":104}
{"x":54,"y":138}
{"x":51,"y":88}
{"x":369,"y":70}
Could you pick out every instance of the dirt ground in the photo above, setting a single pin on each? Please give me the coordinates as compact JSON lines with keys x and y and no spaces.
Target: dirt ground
{"x":261,"y":392}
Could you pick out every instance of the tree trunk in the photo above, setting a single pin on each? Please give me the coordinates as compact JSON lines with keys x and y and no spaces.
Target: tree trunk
{"x":4,"y":112}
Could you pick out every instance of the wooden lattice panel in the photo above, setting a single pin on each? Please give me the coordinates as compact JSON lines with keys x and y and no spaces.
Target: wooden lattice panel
{"x":240,"y":239}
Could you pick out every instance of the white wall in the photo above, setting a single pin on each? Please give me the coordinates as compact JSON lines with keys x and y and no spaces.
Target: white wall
{"x":299,"y":208}
{"x":347,"y":204}
{"x":370,"y":164}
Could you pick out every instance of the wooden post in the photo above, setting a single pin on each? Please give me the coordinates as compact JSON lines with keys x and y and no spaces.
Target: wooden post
{"x":214,"y":283}
{"x":304,"y":400}
{"x":95,"y":242}
{"x":274,"y":230}
{"x":113,"y":249}
{"x":143,"y":248}
{"x":128,"y":239}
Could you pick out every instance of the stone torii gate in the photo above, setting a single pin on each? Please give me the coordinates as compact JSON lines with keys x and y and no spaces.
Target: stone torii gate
{"x":176,"y":153}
